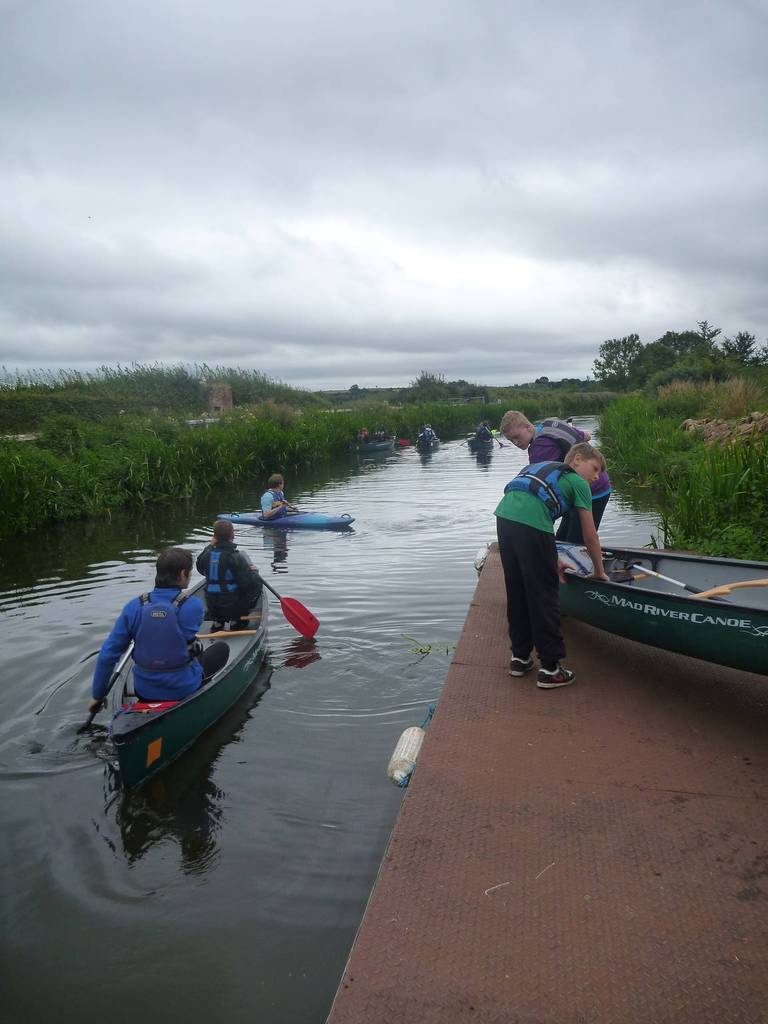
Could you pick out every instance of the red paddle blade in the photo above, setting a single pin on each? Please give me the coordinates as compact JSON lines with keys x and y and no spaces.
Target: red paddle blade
{"x":300,"y":618}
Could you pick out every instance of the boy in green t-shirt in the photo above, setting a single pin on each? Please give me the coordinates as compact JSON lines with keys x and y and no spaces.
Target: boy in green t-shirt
{"x":524,"y":524}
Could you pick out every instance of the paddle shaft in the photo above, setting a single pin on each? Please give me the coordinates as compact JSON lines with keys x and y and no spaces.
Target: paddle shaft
{"x":667,"y":579}
{"x":112,"y":679}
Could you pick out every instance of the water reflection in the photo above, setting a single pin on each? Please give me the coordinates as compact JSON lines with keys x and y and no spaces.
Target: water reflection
{"x":183,"y":804}
{"x":300,"y":653}
{"x":483,"y":457}
{"x":276,"y":546}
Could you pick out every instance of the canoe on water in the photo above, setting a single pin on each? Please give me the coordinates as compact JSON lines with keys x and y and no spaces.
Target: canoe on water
{"x":371,"y":447}
{"x":428,"y":446}
{"x":729,"y":629}
{"x":297,"y":521}
{"x":148,"y":736}
{"x":477,"y":444}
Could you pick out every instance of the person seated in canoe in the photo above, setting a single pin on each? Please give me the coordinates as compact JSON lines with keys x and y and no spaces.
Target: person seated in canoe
{"x":163,"y":626}
{"x":232,"y":584}
{"x":484,"y":432}
{"x":363,"y":436}
{"x":273,"y":503}
{"x":381,"y":434}
{"x":525,"y":517}
{"x":426,"y":435}
{"x":550,"y":441}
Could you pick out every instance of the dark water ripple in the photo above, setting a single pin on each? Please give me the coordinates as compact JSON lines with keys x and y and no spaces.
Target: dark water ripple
{"x":237,"y":879}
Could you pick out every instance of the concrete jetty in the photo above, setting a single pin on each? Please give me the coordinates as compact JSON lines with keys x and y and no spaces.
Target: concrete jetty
{"x":593,"y":854}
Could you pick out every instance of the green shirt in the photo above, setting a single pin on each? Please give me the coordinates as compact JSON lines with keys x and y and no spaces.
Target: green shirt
{"x":524,"y":507}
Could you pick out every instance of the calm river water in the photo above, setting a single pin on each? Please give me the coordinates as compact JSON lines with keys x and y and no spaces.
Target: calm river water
{"x":232,"y":887}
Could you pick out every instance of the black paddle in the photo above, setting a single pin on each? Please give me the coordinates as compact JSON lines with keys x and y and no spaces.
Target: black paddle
{"x":112,"y":679}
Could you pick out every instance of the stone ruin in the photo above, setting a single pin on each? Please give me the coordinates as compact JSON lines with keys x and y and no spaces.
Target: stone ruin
{"x":219,"y":398}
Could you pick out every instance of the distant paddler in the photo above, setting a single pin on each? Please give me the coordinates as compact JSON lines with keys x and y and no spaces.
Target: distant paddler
{"x":273,"y":503}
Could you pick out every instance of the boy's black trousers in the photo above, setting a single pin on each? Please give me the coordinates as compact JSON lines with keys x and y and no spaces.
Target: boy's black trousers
{"x":529,"y":559}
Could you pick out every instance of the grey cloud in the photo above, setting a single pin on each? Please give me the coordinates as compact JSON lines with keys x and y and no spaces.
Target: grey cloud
{"x":300,"y":185}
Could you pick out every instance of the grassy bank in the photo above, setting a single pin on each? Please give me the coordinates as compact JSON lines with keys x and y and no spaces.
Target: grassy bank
{"x":714,"y":499}
{"x":76,"y":468}
{"x":26,"y":400}
{"x":98,"y":455}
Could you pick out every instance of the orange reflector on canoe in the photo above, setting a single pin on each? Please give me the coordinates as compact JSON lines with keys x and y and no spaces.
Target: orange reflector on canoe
{"x":153,"y":750}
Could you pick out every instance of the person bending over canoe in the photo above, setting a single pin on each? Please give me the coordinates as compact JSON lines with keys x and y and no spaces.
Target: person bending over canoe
{"x":232,"y":584}
{"x":550,"y":441}
{"x":273,"y":503}
{"x":533,"y":500}
{"x":162,"y":625}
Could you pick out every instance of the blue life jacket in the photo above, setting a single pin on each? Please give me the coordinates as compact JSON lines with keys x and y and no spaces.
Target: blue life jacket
{"x":282,"y":511}
{"x":218,"y":582}
{"x":542,"y":480}
{"x":160,"y":645}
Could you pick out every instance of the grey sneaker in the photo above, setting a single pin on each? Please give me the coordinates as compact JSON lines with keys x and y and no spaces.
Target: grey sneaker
{"x":558,"y":677}
{"x":519,"y":666}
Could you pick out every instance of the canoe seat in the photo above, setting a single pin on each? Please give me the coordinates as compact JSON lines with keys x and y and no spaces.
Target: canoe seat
{"x":146,"y":706}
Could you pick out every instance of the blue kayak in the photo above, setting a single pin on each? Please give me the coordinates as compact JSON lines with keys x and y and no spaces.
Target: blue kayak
{"x":297,"y":521}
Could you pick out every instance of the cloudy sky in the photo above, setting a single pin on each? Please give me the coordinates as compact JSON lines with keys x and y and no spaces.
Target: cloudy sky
{"x":338,"y":193}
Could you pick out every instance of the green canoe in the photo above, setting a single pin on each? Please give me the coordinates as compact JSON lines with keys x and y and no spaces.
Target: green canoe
{"x":371,"y":447}
{"x":147,"y":739}
{"x":729,"y":630}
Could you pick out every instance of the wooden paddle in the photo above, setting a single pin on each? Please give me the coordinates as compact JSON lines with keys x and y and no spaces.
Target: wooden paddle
{"x":226,"y":634}
{"x":726,"y":588}
{"x":301,"y":618}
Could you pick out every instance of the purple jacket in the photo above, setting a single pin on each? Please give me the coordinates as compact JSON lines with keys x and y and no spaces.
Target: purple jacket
{"x":546,"y":449}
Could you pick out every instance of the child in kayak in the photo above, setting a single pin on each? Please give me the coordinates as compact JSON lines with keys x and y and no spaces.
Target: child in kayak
{"x":273,"y":503}
{"x":533,"y":500}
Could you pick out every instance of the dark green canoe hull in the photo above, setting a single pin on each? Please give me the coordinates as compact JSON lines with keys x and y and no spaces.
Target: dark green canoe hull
{"x":372,"y":447}
{"x":728,"y":632}
{"x":477,"y":444}
{"x":146,"y":742}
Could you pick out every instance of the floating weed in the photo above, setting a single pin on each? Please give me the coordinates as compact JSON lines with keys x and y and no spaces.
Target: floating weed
{"x":425,"y":649}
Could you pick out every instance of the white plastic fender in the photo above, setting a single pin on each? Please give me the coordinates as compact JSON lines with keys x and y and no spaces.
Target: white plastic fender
{"x":403,"y":759}
{"x":481,"y":556}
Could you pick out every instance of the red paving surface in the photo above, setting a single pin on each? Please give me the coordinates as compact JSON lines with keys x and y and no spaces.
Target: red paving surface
{"x":592,"y":854}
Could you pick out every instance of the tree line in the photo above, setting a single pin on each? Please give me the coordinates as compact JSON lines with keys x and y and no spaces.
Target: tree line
{"x":626,"y":363}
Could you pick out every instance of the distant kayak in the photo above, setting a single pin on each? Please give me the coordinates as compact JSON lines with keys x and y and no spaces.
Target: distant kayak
{"x":297,"y":521}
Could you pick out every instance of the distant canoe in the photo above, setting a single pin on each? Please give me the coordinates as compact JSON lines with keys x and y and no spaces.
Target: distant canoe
{"x":478,"y":444}
{"x":427,"y":446}
{"x":297,"y":521}
{"x":731,"y":630}
{"x":371,"y":447}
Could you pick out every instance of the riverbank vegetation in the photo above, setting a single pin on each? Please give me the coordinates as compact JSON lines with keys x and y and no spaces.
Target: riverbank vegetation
{"x":27,"y":399}
{"x":75,"y":468}
{"x":714,"y":498}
